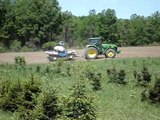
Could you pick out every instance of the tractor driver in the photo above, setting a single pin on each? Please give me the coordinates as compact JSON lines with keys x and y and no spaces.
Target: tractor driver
{"x":60,"y":47}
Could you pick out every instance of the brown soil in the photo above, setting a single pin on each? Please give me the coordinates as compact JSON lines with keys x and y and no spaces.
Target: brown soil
{"x":41,"y":57}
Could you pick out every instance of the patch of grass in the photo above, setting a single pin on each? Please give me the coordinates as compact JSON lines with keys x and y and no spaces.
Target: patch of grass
{"x":113,"y":101}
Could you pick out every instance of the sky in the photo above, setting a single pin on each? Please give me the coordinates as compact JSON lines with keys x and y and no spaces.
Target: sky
{"x":124,"y":8}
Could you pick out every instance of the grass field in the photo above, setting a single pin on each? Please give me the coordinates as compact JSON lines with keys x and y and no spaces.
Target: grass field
{"x":113,"y":102}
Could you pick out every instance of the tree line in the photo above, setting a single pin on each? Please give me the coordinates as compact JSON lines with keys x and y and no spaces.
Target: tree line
{"x":32,"y":24}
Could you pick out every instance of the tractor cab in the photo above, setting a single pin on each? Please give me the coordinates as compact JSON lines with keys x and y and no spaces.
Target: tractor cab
{"x":95,"y":41}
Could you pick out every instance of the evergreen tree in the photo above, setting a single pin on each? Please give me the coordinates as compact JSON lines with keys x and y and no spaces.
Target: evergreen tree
{"x":79,"y":105}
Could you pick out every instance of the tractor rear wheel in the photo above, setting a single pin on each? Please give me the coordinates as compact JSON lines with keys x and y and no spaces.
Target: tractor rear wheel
{"x":110,"y":53}
{"x":91,"y":53}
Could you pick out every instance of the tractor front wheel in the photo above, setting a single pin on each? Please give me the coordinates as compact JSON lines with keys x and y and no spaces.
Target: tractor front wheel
{"x":110,"y":53}
{"x":91,"y":53}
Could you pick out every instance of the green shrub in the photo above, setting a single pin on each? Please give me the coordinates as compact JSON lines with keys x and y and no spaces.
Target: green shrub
{"x":38,"y":69}
{"x":27,"y":49}
{"x":116,"y":77}
{"x":55,"y":69}
{"x":146,"y":74}
{"x":68,"y":68}
{"x":2,"y":49}
{"x":93,"y":77}
{"x":15,"y":46}
{"x":47,"y":107}
{"x":50,"y":105}
{"x":58,"y":66}
{"x":112,"y":74}
{"x":135,"y":74}
{"x":49,"y":45}
{"x":121,"y":77}
{"x":48,"y":70}
{"x":32,"y":90}
{"x":143,"y":77}
{"x":79,"y":105}
{"x":88,"y":71}
{"x":134,"y":63}
{"x":20,"y":61}
{"x":4,"y":87}
{"x":12,"y":96}
{"x":19,"y":95}
{"x":153,"y":93}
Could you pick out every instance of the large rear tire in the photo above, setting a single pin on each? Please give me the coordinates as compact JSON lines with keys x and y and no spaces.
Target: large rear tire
{"x":91,"y":53}
{"x":110,"y":53}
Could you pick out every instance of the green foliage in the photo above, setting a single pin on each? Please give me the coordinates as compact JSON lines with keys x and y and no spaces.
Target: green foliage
{"x":19,"y":94}
{"x":96,"y":82}
{"x":58,"y":66}
{"x":27,"y":49}
{"x":55,"y":69}
{"x":68,"y":68}
{"x":20,"y":61}
{"x":49,"y":45}
{"x":11,"y":99}
{"x":79,"y":105}
{"x":93,"y":76}
{"x":95,"y":79}
{"x":107,"y":26}
{"x":47,"y":107}
{"x":29,"y":25}
{"x":121,"y":76}
{"x":67,"y":28}
{"x":38,"y":69}
{"x":116,"y":77}
{"x":32,"y":22}
{"x":37,"y":99}
{"x":112,"y":74}
{"x":50,"y":105}
{"x":89,"y":71}
{"x":2,"y":49}
{"x":15,"y":46}
{"x":143,"y":77}
{"x":153,"y":93}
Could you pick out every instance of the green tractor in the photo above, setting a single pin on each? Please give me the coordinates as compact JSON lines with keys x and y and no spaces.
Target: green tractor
{"x":96,"y":48}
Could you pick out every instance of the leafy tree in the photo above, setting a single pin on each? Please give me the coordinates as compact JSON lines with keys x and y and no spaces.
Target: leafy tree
{"x":31,"y":22}
{"x":153,"y":27}
{"x":67,"y":27}
{"x":7,"y":22}
{"x":124,"y":32}
{"x":107,"y":25}
{"x":37,"y":21}
{"x":92,"y":25}
{"x":139,"y":31}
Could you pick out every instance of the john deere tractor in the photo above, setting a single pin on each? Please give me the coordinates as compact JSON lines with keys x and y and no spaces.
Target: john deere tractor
{"x":96,"y":48}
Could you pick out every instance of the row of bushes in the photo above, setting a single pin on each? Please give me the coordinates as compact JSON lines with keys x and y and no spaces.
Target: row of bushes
{"x":31,"y":101}
{"x":143,"y":77}
{"x":16,"y":47}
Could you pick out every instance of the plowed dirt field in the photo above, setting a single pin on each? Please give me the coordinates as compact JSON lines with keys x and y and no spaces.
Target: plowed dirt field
{"x":41,"y":57}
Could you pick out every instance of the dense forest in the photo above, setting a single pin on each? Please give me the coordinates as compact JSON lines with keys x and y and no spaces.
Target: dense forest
{"x":35,"y":24}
